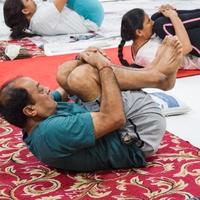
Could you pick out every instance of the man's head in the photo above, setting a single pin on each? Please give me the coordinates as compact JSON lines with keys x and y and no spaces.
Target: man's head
{"x":23,"y":99}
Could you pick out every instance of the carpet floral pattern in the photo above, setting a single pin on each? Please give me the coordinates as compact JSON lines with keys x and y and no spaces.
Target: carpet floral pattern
{"x":172,"y":173}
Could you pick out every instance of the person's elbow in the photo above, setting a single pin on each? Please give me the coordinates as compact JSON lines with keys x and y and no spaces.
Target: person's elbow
{"x":119,"y":120}
{"x":107,"y":123}
{"x":187,"y":49}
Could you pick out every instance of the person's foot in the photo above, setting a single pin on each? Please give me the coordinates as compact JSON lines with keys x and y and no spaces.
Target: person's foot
{"x":167,"y":61}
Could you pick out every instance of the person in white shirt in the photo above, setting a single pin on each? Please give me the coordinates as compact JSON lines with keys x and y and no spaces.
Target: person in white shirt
{"x":52,"y":18}
{"x":147,"y":34}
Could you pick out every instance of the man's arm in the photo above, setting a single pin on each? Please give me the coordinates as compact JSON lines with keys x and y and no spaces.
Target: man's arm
{"x":111,"y":115}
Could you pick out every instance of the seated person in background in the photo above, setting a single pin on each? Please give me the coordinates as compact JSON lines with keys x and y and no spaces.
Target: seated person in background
{"x":136,"y":26}
{"x":75,"y":136}
{"x":52,"y":18}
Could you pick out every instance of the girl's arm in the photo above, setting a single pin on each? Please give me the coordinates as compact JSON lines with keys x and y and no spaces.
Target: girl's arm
{"x":179,"y":28}
{"x":60,"y":4}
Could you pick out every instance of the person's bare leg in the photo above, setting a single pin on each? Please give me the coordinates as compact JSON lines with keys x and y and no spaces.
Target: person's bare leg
{"x":161,"y":73}
{"x":84,"y":82}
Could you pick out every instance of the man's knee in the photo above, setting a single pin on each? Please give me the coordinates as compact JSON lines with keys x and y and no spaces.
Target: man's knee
{"x":75,"y":79}
{"x":63,"y":72}
{"x":83,"y":82}
{"x":83,"y":76}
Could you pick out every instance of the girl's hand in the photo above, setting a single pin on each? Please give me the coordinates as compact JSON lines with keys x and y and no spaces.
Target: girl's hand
{"x":167,"y":11}
{"x":167,"y":6}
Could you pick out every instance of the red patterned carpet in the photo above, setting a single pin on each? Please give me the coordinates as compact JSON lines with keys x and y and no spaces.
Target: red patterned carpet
{"x":173,"y":173}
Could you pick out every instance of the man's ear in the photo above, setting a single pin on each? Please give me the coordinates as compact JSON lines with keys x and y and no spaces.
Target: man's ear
{"x":25,"y":11}
{"x":29,"y":111}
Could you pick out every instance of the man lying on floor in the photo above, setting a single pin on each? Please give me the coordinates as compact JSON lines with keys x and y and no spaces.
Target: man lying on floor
{"x":126,"y":128}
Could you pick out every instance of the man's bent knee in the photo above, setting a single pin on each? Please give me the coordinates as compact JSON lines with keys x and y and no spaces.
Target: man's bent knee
{"x":82,"y":82}
{"x":80,"y":76}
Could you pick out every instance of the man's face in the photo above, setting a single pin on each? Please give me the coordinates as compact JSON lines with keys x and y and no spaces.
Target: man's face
{"x":43,"y":104}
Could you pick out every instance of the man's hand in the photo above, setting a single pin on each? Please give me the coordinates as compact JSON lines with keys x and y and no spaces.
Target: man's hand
{"x":95,"y":59}
{"x":96,"y":49}
{"x":93,"y":50}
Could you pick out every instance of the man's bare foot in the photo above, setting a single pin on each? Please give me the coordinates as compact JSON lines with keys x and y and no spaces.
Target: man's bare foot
{"x":169,"y":56}
{"x":167,"y":61}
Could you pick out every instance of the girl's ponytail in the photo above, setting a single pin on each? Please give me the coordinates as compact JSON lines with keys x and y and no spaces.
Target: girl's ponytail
{"x":120,"y":53}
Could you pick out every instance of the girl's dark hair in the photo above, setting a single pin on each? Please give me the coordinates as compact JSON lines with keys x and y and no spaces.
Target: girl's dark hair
{"x":131,"y":21}
{"x":15,"y":19}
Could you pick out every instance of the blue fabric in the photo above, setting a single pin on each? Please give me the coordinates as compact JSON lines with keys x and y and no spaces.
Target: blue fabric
{"x":89,"y":9}
{"x":56,"y":95}
{"x":65,"y":140}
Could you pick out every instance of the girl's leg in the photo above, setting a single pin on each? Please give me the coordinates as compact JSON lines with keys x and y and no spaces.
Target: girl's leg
{"x":156,"y":15}
{"x":163,"y":25}
{"x":195,"y":40}
{"x":191,"y":21}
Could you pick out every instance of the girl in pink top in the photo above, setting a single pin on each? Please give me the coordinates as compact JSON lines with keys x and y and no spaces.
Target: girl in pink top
{"x":147,"y":34}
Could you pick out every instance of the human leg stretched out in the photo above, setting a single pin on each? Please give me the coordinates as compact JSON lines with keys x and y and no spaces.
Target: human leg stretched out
{"x":83,"y":81}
